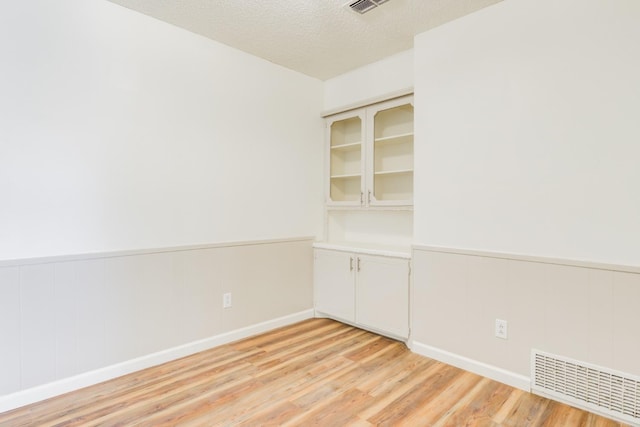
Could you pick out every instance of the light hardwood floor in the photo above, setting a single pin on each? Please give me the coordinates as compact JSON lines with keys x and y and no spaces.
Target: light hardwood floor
{"x":317,"y":372}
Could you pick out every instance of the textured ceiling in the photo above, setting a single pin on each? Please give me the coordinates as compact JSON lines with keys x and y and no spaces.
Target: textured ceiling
{"x":320,"y":38}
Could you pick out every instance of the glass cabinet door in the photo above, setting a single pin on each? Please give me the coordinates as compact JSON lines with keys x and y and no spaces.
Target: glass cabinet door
{"x":346,"y":166}
{"x":391,"y":162}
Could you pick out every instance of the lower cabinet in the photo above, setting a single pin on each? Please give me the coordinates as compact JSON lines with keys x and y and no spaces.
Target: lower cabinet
{"x":371,"y":291}
{"x":334,"y":289}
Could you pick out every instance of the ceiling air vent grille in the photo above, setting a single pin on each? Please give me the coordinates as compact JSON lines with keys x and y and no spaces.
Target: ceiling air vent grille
{"x":602,"y":390}
{"x":364,"y":6}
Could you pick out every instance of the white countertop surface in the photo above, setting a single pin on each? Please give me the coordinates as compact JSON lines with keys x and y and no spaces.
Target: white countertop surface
{"x":367,"y":248}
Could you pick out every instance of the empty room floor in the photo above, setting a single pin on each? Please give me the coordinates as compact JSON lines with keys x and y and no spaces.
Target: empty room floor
{"x":316,"y":372}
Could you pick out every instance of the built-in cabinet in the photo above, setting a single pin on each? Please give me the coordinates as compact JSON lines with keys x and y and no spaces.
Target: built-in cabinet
{"x":334,"y":284}
{"x":370,"y":155}
{"x":362,"y":268}
{"x":371,"y":291}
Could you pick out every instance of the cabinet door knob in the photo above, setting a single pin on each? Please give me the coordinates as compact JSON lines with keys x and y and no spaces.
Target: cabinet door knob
{"x":369,"y":197}
{"x":361,"y":198}
{"x":358,"y":264}
{"x":350,"y":263}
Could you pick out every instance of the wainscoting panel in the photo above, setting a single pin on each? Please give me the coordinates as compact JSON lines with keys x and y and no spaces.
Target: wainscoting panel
{"x":579,"y":310}
{"x":68,"y":316}
{"x":9,"y":329}
{"x":37,"y":325}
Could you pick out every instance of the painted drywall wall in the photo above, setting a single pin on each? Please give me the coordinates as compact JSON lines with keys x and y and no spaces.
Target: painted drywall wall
{"x":527,"y":131}
{"x":526,"y":143}
{"x":118,"y":131}
{"x":386,"y":76}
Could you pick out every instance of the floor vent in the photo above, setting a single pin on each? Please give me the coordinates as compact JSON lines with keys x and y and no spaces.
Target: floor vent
{"x":601,"y":390}
{"x":364,"y":6}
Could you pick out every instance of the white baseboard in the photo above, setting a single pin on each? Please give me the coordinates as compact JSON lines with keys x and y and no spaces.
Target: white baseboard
{"x":521,"y":382}
{"x":56,"y":388}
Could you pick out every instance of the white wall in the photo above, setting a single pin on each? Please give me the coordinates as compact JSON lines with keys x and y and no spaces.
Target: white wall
{"x":527,"y":131}
{"x":371,"y":81}
{"x":119,"y":132}
{"x":526,"y":159}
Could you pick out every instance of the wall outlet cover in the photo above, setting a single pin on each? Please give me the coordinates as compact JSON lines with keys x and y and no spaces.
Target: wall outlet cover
{"x":501,"y":329}
{"x":226,"y":300}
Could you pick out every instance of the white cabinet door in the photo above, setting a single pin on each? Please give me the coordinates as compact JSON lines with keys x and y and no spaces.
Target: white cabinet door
{"x":382,"y":294}
{"x":346,"y":159}
{"x":334,"y":284}
{"x":390,"y":153}
{"x":369,"y":155}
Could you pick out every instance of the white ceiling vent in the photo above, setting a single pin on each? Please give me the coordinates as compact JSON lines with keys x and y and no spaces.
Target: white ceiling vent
{"x":601,"y":390}
{"x":364,"y":6}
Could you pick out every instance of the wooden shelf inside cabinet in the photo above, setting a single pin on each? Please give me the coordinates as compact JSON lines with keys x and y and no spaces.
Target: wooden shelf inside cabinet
{"x":346,"y":176}
{"x":352,"y":146}
{"x":394,"y":172}
{"x":405,"y":138}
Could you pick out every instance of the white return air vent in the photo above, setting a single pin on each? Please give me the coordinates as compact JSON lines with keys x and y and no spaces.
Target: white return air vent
{"x":601,"y":390}
{"x":364,"y":6}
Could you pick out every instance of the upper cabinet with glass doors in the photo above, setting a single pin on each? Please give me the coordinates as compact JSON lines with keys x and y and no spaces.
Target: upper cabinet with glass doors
{"x":370,"y":158}
{"x":346,"y":158}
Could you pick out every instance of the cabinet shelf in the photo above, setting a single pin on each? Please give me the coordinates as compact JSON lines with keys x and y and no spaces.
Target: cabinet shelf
{"x":346,"y":176}
{"x":394,"y":172}
{"x":395,"y":139}
{"x":352,"y":146}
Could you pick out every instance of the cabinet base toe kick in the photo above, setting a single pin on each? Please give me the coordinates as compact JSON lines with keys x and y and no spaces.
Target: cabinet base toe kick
{"x":404,"y":338}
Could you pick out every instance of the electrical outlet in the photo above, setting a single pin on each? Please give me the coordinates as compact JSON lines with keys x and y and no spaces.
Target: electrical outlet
{"x":501,"y":329}
{"x":226,"y":300}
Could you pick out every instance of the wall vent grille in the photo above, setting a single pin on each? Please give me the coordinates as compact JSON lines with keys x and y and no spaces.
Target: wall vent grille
{"x":364,"y":6}
{"x":601,"y":390}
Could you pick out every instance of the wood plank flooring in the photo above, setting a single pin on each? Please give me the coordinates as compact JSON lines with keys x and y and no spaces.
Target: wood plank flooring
{"x":317,"y":372}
